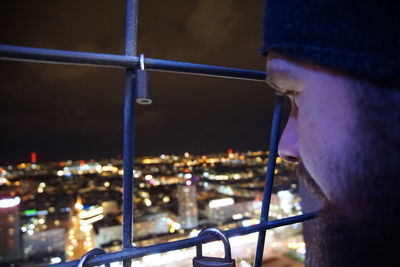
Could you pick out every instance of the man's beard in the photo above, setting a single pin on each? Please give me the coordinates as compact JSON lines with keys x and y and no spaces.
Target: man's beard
{"x":309,"y":182}
{"x":353,"y":234}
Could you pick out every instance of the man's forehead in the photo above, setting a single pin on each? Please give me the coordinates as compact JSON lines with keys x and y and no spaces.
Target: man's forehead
{"x":289,"y":74}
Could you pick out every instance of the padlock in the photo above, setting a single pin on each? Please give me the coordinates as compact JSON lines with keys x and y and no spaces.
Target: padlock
{"x":201,"y":261}
{"x":89,"y":255}
{"x":143,"y":96}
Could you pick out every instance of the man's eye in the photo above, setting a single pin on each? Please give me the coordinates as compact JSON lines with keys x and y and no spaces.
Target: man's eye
{"x":296,"y":98}
{"x":288,"y":93}
{"x":293,"y":97}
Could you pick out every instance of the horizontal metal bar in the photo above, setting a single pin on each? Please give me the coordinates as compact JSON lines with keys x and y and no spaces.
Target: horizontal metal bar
{"x":41,"y":55}
{"x":201,"y":69}
{"x":136,"y":252}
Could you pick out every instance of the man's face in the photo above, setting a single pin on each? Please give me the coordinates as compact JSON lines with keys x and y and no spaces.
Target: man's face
{"x":335,"y":143}
{"x":318,"y":132}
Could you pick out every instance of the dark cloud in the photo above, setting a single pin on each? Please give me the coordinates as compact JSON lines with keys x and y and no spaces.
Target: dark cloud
{"x":216,"y":30}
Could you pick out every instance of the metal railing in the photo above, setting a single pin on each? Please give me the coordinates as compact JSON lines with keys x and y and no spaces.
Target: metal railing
{"x":130,"y":62}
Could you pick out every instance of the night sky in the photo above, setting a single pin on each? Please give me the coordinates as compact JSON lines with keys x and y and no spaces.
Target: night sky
{"x":74,"y":112}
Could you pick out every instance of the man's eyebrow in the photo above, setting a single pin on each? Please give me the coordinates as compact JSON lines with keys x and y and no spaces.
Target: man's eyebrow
{"x":281,"y":79}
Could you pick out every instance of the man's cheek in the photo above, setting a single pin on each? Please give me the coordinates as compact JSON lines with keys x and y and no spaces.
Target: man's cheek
{"x":312,"y":154}
{"x":307,"y":140}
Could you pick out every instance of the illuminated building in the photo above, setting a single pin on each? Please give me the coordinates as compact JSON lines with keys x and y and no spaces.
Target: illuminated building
{"x":33,"y":158}
{"x":10,"y":229}
{"x":45,"y":243}
{"x":154,"y":224}
{"x":225,"y":209}
{"x":187,"y":205}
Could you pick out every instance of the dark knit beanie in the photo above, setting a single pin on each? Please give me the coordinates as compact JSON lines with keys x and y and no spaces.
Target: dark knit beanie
{"x":361,"y":38}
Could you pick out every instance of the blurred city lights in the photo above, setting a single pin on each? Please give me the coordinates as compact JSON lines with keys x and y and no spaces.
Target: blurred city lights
{"x":216,"y":203}
{"x":9,"y":202}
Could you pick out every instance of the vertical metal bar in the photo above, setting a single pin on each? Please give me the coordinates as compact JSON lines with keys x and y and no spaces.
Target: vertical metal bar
{"x":128,"y":160}
{"x":273,"y":151}
{"x":131,"y":27}
{"x":130,"y":50}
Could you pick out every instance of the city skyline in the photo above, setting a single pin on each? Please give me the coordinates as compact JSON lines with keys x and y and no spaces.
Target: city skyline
{"x":58,"y":211}
{"x":63,"y":112}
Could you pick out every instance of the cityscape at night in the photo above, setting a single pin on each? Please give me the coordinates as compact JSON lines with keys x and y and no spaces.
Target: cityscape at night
{"x":57,"y":211}
{"x":199,"y":133}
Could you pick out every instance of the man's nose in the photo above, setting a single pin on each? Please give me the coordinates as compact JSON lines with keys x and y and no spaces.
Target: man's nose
{"x":288,"y":145}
